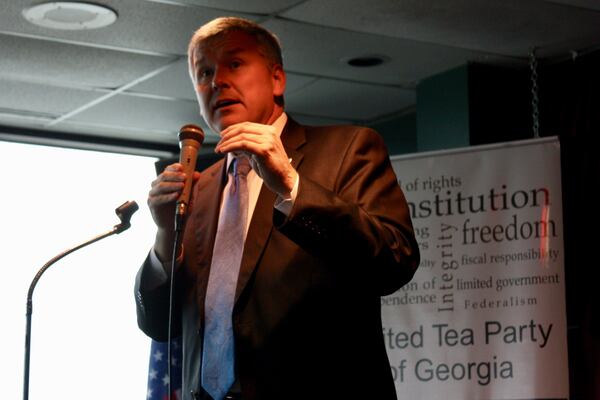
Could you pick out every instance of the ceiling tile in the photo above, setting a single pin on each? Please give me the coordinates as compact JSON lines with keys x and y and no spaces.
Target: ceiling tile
{"x":254,"y":6}
{"x":173,"y":82}
{"x":25,"y":119}
{"x":589,"y":4}
{"x":43,"y":99}
{"x":507,"y":27}
{"x":106,"y":130}
{"x":140,"y":113}
{"x":327,"y":98}
{"x":296,"y":82}
{"x":305,"y":51}
{"x":44,"y":61}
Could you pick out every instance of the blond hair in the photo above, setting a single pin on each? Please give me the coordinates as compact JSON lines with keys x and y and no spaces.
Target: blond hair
{"x":268,"y":44}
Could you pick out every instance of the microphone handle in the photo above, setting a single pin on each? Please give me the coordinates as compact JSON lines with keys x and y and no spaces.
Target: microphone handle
{"x":187,"y":159}
{"x":191,"y":138}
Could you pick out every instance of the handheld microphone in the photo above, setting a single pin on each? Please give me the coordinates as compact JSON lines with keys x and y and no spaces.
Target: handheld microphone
{"x":190,"y":140}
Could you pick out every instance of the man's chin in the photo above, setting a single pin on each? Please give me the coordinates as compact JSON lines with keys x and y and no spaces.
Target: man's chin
{"x":223,"y":123}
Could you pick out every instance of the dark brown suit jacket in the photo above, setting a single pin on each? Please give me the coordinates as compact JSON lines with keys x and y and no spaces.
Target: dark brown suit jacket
{"x":307,"y":317}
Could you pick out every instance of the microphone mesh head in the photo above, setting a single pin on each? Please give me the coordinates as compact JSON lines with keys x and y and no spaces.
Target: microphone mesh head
{"x":192,"y":132}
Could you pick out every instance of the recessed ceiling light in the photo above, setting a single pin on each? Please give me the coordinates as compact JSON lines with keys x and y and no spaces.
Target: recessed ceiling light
{"x":366,"y":61}
{"x":70,"y":15}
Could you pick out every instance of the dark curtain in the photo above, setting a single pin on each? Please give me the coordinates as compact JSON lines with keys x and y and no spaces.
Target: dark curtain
{"x":569,"y":94}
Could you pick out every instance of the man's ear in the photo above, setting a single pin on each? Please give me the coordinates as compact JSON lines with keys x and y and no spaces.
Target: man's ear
{"x":279,"y":79}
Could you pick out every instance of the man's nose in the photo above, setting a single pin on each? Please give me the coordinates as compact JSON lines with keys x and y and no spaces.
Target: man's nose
{"x":219,"y":79}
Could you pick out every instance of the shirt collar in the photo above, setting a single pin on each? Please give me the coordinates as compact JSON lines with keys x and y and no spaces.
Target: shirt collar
{"x":279,"y":124}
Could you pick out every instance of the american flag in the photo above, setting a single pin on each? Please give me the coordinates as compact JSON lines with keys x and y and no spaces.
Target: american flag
{"x":158,"y":378}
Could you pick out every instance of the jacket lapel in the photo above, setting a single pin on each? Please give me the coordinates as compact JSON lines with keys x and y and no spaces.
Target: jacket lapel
{"x":293,"y":138}
{"x":206,"y":215}
{"x":261,"y":225}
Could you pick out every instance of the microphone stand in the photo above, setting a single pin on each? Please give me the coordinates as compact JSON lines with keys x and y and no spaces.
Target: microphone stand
{"x":124,"y":212}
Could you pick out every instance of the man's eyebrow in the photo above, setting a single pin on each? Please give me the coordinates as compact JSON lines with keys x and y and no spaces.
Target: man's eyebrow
{"x":234,"y":51}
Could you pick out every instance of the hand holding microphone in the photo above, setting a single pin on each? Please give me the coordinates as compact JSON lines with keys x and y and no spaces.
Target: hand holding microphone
{"x":171,"y":190}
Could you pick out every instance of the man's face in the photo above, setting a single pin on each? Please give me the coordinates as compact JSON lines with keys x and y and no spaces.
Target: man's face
{"x":234,"y":82}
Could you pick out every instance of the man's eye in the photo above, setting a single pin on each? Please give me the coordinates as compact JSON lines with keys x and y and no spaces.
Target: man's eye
{"x":204,"y":73}
{"x":235,"y":64}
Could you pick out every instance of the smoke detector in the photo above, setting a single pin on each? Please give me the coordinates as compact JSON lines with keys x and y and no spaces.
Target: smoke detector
{"x":67,"y":15}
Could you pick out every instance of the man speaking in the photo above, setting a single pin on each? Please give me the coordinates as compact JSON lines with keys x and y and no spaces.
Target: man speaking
{"x":289,"y":242}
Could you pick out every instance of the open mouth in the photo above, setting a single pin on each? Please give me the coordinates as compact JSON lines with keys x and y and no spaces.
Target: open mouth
{"x":224,"y":103}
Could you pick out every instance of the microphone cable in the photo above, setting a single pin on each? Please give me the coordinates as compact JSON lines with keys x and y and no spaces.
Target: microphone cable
{"x":176,"y":245}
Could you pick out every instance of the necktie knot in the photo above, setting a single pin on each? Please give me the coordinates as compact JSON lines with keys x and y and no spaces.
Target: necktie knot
{"x":242,"y":166}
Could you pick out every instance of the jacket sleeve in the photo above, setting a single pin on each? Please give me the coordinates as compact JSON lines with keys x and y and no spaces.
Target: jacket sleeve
{"x":152,"y":305}
{"x":361,"y":221}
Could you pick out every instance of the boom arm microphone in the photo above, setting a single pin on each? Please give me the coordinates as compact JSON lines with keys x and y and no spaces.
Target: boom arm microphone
{"x":190,"y":140}
{"x":124,"y":212}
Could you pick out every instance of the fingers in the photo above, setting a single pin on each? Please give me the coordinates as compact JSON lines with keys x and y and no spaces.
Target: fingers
{"x":164,"y":192}
{"x":155,"y":200}
{"x":170,"y":181}
{"x":260,"y":140}
{"x":196,"y":176}
{"x":162,"y":186}
{"x":250,"y":127}
{"x":267,"y":154}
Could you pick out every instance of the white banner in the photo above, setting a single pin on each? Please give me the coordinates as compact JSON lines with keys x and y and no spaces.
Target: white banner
{"x":484,"y":316}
